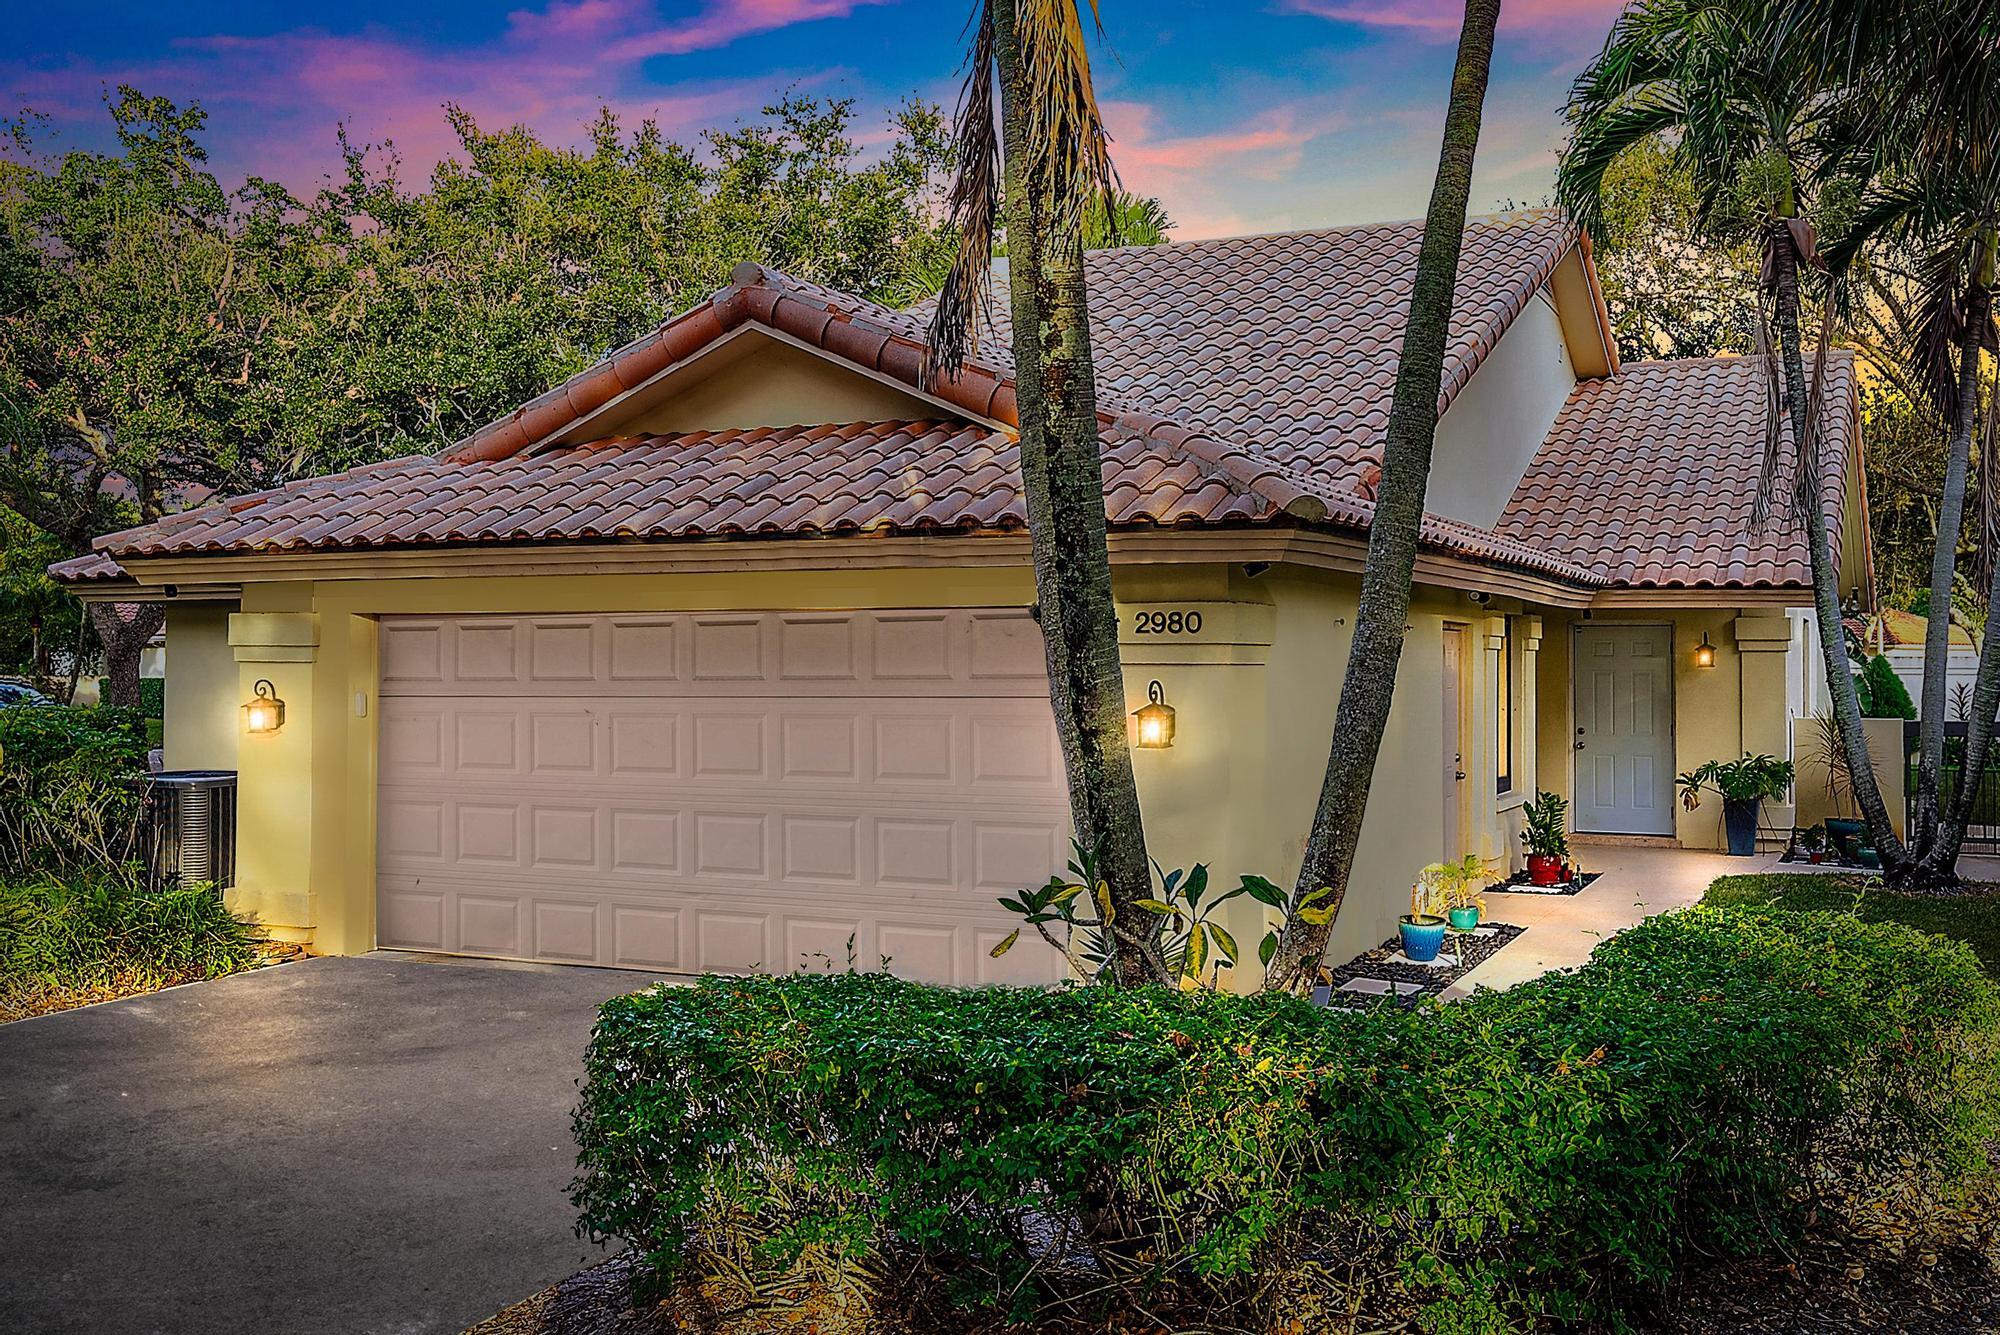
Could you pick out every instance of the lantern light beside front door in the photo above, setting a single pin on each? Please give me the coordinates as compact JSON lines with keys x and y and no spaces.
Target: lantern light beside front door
{"x":1153,"y":722}
{"x":1704,"y":653}
{"x":264,"y":712}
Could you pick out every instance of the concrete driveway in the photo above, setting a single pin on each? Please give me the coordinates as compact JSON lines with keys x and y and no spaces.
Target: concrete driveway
{"x":377,"y":1144}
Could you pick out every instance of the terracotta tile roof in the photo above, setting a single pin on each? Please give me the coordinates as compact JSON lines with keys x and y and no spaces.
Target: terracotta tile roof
{"x":1648,"y":477}
{"x":90,"y":568}
{"x":921,"y":476}
{"x":1893,"y":628}
{"x":1293,"y":340}
{"x":1245,"y":381}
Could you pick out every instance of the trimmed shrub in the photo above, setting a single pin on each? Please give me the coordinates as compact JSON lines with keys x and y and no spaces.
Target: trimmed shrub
{"x":1555,"y":1151}
{"x":70,"y":939}
{"x":66,"y":802}
{"x":1882,"y":693}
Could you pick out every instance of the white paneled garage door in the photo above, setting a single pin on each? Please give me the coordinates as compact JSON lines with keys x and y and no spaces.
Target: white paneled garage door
{"x":719,"y":791}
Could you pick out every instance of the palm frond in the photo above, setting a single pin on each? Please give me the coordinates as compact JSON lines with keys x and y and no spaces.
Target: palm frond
{"x":1064,"y":163}
{"x":973,"y":207}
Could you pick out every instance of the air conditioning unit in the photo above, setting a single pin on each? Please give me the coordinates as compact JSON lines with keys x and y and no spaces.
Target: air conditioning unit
{"x":190,"y":828}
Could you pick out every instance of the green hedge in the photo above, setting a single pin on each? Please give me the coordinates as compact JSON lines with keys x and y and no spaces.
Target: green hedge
{"x":1557,"y":1150}
{"x":65,"y":803}
{"x":152,"y":695}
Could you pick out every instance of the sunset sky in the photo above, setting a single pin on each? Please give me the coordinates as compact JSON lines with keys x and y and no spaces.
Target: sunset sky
{"x":1245,"y":116}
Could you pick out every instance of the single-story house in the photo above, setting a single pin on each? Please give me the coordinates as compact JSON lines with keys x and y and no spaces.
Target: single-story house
{"x":719,"y":656}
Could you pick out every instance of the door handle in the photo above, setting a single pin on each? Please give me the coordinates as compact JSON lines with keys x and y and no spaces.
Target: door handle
{"x":1460,"y":776}
{"x":1579,"y":746}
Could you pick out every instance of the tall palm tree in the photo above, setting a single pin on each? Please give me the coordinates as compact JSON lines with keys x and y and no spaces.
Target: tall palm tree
{"x":1037,"y":166}
{"x":1743,"y":92}
{"x":1377,"y":648}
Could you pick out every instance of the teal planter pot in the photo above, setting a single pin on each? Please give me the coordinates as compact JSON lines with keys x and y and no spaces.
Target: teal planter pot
{"x":1868,"y":857}
{"x":1463,"y":920}
{"x":1422,"y":937}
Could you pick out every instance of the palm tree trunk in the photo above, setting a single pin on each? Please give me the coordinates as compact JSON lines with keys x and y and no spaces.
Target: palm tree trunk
{"x":1369,"y":686}
{"x":1944,"y":569}
{"x":1062,"y":476}
{"x":1825,"y":576}
{"x":1940,"y":857}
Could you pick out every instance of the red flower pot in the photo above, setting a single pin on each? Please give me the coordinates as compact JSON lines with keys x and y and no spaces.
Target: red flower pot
{"x":1545,"y":869}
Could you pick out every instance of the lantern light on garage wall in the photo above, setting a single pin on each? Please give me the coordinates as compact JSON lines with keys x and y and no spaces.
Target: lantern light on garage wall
{"x":1704,"y":653}
{"x":265,"y":712}
{"x":1153,"y":722}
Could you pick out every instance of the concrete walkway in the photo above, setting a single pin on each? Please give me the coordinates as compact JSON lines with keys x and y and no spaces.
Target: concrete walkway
{"x":378,"y":1144}
{"x":1563,"y":929}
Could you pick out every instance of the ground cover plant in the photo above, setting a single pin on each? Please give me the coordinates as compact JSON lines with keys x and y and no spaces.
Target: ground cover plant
{"x":1972,"y":916}
{"x":1559,"y":1152}
{"x":70,"y":939}
{"x":67,"y":801}
{"x":77,"y":923}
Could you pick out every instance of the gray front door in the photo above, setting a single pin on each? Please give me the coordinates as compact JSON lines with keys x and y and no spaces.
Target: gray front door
{"x":1624,"y":730}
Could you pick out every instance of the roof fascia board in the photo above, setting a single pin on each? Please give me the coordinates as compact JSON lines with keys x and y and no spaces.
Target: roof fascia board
{"x":1274,"y":545}
{"x":1585,"y":319}
{"x":1700,"y":597}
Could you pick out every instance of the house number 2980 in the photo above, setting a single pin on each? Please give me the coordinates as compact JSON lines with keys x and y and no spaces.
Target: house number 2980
{"x":1168,"y":623}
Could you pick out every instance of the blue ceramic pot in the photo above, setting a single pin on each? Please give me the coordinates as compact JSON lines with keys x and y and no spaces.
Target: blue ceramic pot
{"x":1739,"y":818}
{"x":1422,"y":937}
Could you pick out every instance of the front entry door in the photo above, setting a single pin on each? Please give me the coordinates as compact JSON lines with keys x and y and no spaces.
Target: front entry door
{"x":1624,"y":730}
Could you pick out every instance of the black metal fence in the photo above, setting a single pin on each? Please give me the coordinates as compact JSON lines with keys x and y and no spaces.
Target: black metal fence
{"x":1982,"y":831}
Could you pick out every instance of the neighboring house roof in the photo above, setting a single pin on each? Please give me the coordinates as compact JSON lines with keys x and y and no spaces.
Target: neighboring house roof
{"x":1894,"y":628}
{"x":1649,"y":477}
{"x":1243,"y":382}
{"x":1294,"y":339}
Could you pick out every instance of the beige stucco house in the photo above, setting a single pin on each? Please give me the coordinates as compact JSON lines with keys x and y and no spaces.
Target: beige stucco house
{"x":719,"y":656}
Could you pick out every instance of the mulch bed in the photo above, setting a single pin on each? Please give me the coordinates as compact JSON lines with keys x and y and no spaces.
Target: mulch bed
{"x":1834,"y":1286}
{"x":1518,"y":884}
{"x":1413,"y":982}
{"x":21,"y":1002}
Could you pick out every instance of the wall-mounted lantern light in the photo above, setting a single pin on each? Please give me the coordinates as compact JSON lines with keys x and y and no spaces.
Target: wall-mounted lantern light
{"x":1153,"y":722}
{"x":1704,"y":653}
{"x":265,"y":712}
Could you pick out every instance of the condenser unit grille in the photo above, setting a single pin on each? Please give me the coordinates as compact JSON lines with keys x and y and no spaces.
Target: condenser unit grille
{"x":191,"y":828}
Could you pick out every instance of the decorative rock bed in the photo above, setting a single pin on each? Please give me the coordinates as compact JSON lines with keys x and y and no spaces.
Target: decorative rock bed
{"x":1386,"y":974}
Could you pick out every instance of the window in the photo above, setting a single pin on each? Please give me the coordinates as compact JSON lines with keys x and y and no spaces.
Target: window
{"x":1503,"y":713}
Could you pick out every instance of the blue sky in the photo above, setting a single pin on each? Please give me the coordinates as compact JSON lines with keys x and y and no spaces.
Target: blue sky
{"x":1247,"y":116}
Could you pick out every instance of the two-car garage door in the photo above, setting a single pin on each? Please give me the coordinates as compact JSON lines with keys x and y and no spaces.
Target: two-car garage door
{"x":718,"y":791}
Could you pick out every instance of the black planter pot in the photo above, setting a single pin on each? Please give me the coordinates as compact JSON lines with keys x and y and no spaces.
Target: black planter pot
{"x":1739,"y":819}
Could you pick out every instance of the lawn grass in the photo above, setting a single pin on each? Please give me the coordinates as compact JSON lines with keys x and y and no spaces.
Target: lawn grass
{"x":70,"y":941}
{"x":1972,"y":918}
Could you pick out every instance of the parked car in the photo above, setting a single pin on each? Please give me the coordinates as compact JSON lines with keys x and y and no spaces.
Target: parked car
{"x":13,"y":693}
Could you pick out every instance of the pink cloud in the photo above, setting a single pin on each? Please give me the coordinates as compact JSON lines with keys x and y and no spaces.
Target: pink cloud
{"x":276,"y":99}
{"x":723,"y":21}
{"x":1200,"y":177}
{"x":1440,"y":20}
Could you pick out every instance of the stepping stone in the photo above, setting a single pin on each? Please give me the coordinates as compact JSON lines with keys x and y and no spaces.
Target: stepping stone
{"x":1441,"y":962}
{"x":1374,"y":987}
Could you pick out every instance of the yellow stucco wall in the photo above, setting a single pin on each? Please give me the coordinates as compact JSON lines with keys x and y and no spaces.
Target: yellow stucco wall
{"x":1738,"y":704}
{"x":200,"y":728}
{"x":1255,"y":694}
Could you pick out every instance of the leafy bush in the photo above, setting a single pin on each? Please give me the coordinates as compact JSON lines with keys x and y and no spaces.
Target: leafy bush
{"x":65,"y":799}
{"x":152,"y":695}
{"x":1555,"y":1151}
{"x":77,"y":938}
{"x":1882,"y":693}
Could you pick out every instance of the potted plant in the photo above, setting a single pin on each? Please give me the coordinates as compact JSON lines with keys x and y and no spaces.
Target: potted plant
{"x":1422,"y":928}
{"x":1812,"y":842}
{"x":1546,"y":837}
{"x":1743,"y":785}
{"x":1461,"y":883}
